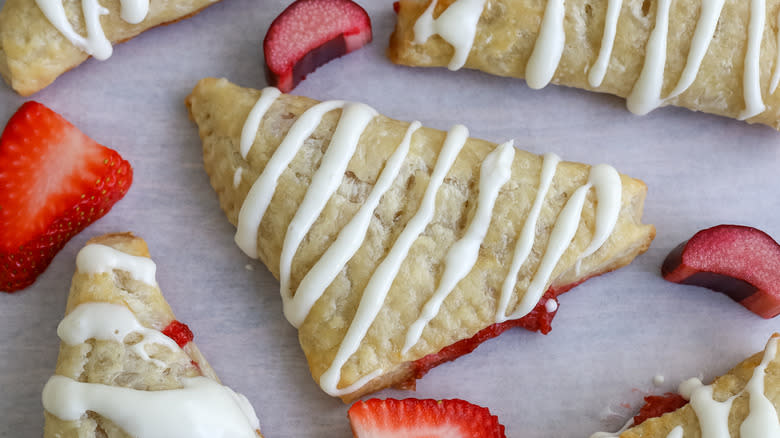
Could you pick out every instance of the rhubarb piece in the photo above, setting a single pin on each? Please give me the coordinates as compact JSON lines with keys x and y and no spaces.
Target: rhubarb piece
{"x":54,"y":182}
{"x":310,"y":33}
{"x":740,"y":261}
{"x":418,"y":418}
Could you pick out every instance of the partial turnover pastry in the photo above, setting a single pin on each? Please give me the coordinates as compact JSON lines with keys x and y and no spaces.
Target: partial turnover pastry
{"x":42,"y":39}
{"x":127,"y":367}
{"x":399,"y":247}
{"x":744,"y":402}
{"x":716,"y":56}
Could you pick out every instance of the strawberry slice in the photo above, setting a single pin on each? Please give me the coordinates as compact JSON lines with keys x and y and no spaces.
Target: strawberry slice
{"x":310,"y":33}
{"x":413,"y":418}
{"x":54,"y":182}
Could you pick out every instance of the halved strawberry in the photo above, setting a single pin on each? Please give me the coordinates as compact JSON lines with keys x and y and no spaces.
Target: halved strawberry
{"x":310,"y":33}
{"x":409,"y":418}
{"x":54,"y":182}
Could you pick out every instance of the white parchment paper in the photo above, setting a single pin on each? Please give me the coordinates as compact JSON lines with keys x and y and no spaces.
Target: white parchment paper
{"x":612,"y":334}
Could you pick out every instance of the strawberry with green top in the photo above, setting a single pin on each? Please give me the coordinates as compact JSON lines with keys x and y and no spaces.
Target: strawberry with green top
{"x":408,"y":418}
{"x":54,"y":182}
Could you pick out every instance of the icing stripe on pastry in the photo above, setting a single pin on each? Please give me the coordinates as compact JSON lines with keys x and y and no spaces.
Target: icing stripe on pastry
{"x":495,"y":171}
{"x":95,"y":43}
{"x":382,"y":279}
{"x":349,"y":240}
{"x":599,"y":69}
{"x":249,"y":131}
{"x":754,"y":104}
{"x":776,"y":74}
{"x":646,"y":93}
{"x":201,"y":409}
{"x":326,"y":180}
{"x":259,"y":196}
{"x":101,"y":259}
{"x":110,"y":322}
{"x":457,"y":25}
{"x":526,"y":240}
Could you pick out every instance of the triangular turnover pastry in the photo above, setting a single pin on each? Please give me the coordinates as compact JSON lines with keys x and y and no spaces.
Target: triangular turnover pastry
{"x":744,"y":402}
{"x":397,"y":246}
{"x":716,"y":56}
{"x":126,"y":366}
{"x":42,"y":39}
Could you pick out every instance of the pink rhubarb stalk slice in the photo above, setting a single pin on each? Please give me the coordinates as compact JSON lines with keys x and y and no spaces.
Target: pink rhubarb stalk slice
{"x":740,"y":261}
{"x":310,"y":33}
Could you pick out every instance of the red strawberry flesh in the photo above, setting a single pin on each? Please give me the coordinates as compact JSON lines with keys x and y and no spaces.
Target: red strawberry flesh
{"x":377,"y":418}
{"x":310,"y":33}
{"x":179,"y":332}
{"x":742,"y":262}
{"x":657,"y":405}
{"x":54,"y":182}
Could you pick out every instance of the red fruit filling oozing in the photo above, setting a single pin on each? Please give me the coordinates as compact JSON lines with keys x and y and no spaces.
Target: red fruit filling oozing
{"x":657,"y":405}
{"x":539,"y":319}
{"x":310,"y":33}
{"x":179,"y":332}
{"x":742,"y":262}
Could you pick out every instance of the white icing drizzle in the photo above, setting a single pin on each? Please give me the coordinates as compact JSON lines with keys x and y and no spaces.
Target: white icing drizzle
{"x":625,"y":427}
{"x":106,"y":322}
{"x":459,"y":29}
{"x":646,"y":94}
{"x":606,"y":180}
{"x":658,"y":380}
{"x":677,"y":432}
{"x":762,"y":421}
{"x":95,"y":43}
{"x":551,"y":305}
{"x":776,"y":74}
{"x":548,"y":49}
{"x":201,"y":409}
{"x":259,"y":196}
{"x":100,"y":259}
{"x":599,"y":68}
{"x":349,"y":240}
{"x":249,"y":131}
{"x":237,"y":177}
{"x":326,"y":180}
{"x":702,"y":36}
{"x":495,"y":171}
{"x":380,"y":282}
{"x":526,"y":240}
{"x":754,"y":104}
{"x":457,"y":25}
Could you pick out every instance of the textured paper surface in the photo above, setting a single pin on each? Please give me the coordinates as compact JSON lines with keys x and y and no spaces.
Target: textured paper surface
{"x":611,"y":336}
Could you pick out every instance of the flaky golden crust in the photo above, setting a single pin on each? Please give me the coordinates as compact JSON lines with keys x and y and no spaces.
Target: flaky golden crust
{"x":220,"y":108}
{"x":725,"y":387}
{"x":33,"y":53}
{"x":508,"y":29}
{"x":110,"y":362}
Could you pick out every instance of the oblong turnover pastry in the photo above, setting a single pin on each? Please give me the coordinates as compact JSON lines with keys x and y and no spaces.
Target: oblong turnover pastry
{"x":716,"y":56}
{"x":399,"y":247}
{"x":743,"y":402}
{"x":127,"y":367}
{"x":42,"y":39}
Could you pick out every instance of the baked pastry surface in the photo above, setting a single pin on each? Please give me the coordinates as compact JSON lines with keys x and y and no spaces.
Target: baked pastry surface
{"x":507,"y":32}
{"x":725,"y":387}
{"x":33,"y":53}
{"x":220,"y":109}
{"x":117,"y":364}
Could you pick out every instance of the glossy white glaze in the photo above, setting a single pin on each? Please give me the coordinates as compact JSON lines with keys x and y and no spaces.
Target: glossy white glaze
{"x":751,"y":84}
{"x":548,"y":48}
{"x":599,"y":68}
{"x":101,"y":259}
{"x":95,"y":43}
{"x":457,"y":25}
{"x":201,"y":409}
{"x":249,"y":131}
{"x":646,"y":94}
{"x":495,"y":171}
